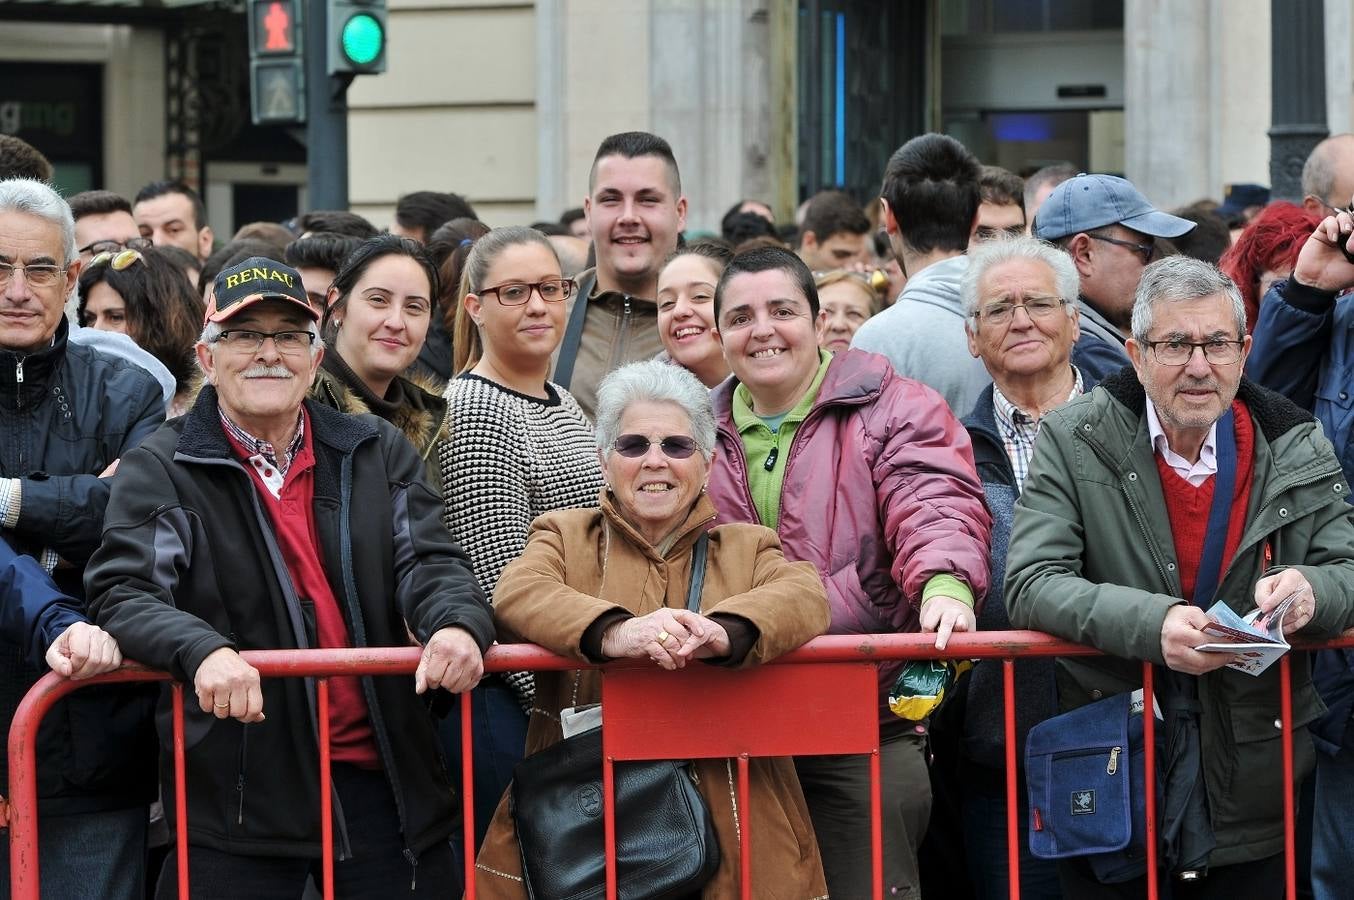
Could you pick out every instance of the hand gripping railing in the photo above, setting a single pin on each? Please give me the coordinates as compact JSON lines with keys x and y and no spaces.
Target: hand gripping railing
{"x":745,"y":705}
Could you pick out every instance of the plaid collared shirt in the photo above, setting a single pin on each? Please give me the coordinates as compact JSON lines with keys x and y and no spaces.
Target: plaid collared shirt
{"x":1019,"y":429}
{"x":265,"y":449}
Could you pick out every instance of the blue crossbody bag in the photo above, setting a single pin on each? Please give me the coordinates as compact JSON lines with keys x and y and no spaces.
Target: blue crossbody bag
{"x":1085,"y":769}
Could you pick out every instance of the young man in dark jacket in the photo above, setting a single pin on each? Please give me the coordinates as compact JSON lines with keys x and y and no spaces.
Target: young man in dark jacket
{"x":263,"y":520}
{"x":67,"y":414}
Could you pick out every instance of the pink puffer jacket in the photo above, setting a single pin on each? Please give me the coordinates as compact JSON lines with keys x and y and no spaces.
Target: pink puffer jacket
{"x":880,"y":493}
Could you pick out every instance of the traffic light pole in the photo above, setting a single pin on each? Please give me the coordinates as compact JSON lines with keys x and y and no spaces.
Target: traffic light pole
{"x":327,"y":119}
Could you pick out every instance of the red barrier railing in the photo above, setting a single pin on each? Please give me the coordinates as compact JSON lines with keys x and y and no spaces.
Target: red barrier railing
{"x":746,"y":714}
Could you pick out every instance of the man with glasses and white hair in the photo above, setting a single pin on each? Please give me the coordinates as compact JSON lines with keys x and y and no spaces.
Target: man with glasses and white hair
{"x":68,"y":413}
{"x":260,"y":520}
{"x":1020,"y":295}
{"x":1167,"y":489}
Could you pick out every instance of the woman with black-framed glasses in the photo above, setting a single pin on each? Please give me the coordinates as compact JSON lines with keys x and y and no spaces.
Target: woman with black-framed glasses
{"x":517,"y":447}
{"x":144,"y":295}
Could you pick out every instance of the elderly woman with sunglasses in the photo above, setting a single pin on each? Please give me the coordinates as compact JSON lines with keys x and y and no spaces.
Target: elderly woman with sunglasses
{"x":517,"y":447}
{"x":611,"y":582}
{"x":144,"y":295}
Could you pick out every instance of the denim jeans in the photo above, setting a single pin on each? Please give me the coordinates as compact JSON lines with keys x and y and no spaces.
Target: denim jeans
{"x":1333,"y":826}
{"x":499,"y":741}
{"x":97,"y":854}
{"x":985,"y":843}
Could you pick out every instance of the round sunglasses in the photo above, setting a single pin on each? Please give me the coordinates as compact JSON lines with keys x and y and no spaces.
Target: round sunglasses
{"x":674,"y":446}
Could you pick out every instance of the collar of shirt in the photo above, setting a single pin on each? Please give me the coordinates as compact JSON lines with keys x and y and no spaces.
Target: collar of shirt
{"x":1011,"y":416}
{"x":1195,"y":473}
{"x":265,"y":449}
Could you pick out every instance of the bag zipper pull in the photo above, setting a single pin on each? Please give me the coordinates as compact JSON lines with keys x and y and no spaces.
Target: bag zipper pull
{"x":1114,"y":761}
{"x":1038,"y":819}
{"x":770,"y":464}
{"x":413,"y":868}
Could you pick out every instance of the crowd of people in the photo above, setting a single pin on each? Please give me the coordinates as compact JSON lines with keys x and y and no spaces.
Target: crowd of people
{"x":978,"y":401}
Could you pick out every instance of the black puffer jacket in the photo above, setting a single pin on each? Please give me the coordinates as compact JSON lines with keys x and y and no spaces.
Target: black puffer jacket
{"x":189,"y":565}
{"x":66,"y":412}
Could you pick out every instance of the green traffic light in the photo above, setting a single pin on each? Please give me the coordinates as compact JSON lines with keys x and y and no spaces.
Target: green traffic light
{"x":363,"y":39}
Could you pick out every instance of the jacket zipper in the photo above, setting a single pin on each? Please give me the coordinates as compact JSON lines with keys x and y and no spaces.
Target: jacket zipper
{"x":239,"y":780}
{"x":358,"y":636}
{"x":19,"y":383}
{"x":622,"y":336}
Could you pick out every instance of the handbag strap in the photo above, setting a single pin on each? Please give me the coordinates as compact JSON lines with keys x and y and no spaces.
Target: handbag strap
{"x":1215,"y":540}
{"x":698,"y":554}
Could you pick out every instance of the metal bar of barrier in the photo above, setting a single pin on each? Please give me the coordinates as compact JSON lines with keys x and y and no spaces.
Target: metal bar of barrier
{"x":22,"y":741}
{"x":326,"y":790}
{"x":609,"y":822}
{"x":468,"y":793}
{"x":1149,"y":761}
{"x":180,"y":791}
{"x":1012,"y":809}
{"x":876,"y":825}
{"x":1289,"y":804}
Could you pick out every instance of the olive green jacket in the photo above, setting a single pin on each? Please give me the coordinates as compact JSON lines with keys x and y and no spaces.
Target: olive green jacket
{"x":1092,"y":560}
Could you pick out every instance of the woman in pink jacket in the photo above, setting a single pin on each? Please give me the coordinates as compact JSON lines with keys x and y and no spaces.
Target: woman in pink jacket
{"x":870,"y":477}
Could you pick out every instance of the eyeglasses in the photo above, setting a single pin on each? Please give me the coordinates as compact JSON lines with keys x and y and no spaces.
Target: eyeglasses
{"x":674,"y":446}
{"x":111,"y":246}
{"x":1001,"y":312}
{"x":516,"y":293}
{"x":117,"y":261}
{"x":244,"y":341}
{"x":37,"y":274}
{"x":1179,"y":353}
{"x":1146,"y":251}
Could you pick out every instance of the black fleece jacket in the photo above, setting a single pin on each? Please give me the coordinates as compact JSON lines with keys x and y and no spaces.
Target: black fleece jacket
{"x":189,"y":564}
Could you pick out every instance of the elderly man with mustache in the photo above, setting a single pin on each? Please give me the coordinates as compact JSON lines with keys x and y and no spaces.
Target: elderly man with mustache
{"x":262,"y":520}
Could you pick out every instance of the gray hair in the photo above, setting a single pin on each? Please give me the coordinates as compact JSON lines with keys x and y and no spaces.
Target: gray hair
{"x":24,"y":195}
{"x":990,"y":254}
{"x":654,"y":382}
{"x":1178,"y":278}
{"x":211,"y":333}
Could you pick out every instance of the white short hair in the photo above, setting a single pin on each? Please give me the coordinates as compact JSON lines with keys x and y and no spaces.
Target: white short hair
{"x":654,"y":382}
{"x":990,"y":254}
{"x":24,"y":195}
{"x":1178,"y":278}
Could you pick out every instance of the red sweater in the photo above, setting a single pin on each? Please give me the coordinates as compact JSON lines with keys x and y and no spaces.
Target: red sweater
{"x":1187,"y":506}
{"x":350,"y":736}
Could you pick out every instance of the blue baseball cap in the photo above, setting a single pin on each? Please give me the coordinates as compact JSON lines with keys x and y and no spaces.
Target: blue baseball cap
{"x":1088,"y":202}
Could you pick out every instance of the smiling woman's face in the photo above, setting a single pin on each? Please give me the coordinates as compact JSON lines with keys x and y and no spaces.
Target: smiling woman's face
{"x":654,"y":491}
{"x":385,"y":321}
{"x":686,"y":311}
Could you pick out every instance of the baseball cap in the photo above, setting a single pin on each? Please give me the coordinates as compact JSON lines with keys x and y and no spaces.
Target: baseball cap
{"x":1087,"y":202}
{"x":1240,"y":197}
{"x":258,"y":278}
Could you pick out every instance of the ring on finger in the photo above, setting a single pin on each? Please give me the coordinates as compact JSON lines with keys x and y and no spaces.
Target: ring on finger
{"x":225,"y":705}
{"x":663,"y":637}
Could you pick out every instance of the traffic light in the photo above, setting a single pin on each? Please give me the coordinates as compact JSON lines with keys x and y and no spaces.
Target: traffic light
{"x":357,"y":37}
{"x":276,"y":72}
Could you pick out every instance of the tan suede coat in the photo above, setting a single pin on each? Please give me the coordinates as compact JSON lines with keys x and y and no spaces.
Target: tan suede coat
{"x":582,"y":563}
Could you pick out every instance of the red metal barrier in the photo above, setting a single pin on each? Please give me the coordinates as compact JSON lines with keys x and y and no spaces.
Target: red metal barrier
{"x":634,"y":722}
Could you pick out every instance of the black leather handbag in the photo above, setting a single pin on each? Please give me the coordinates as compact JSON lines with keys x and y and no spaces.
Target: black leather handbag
{"x":665,"y":840}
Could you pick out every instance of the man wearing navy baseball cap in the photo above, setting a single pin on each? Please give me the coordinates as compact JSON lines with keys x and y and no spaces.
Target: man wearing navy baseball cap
{"x":1109,"y":229}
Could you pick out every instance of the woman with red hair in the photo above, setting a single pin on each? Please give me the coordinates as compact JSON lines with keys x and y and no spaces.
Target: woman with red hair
{"x":1267,"y":251}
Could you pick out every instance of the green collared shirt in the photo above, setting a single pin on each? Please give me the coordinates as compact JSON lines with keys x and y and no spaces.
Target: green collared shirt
{"x":767,"y":450}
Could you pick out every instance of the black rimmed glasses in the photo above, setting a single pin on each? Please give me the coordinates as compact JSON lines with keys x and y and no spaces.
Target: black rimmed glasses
{"x":674,"y":446}
{"x":515,"y":293}
{"x":111,"y":246}
{"x":1219,"y":352}
{"x":241,"y":340}
{"x":999,"y":312}
{"x":1146,"y":251}
{"x":37,"y":274}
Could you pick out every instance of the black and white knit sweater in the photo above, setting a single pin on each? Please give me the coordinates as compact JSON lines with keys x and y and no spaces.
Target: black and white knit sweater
{"x":508,"y":459}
